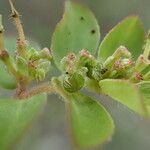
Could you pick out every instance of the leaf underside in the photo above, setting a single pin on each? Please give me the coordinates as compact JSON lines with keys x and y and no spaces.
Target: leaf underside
{"x":77,"y":30}
{"x":16,"y":116}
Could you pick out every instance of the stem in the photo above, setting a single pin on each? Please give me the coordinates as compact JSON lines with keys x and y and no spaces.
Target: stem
{"x":1,"y":34}
{"x":17,"y":21}
{"x":48,"y":88}
{"x":57,"y":85}
{"x":21,"y":89}
{"x":93,"y":85}
{"x":147,"y":47}
{"x":4,"y":56}
{"x":21,"y":48}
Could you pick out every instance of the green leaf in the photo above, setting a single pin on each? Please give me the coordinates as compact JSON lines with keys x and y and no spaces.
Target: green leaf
{"x":128,"y":33}
{"x":77,"y":30}
{"x":16,"y":116}
{"x":125,"y":93}
{"x":90,"y":123}
{"x":144,"y":88}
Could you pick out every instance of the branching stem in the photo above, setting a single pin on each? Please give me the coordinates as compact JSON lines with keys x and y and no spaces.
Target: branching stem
{"x":45,"y":88}
{"x":22,"y":43}
{"x":15,"y":15}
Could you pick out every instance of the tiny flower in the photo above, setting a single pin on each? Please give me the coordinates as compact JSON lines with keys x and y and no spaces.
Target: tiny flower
{"x":122,"y":52}
{"x":85,"y":53}
{"x":45,"y":54}
{"x":141,"y":63}
{"x":138,"y":76}
{"x":71,"y":57}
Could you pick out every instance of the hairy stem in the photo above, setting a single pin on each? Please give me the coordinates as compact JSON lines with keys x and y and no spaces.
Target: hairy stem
{"x":46,"y":88}
{"x":21,"y":88}
{"x":17,"y":21}
{"x":21,"y":47}
{"x":4,"y":56}
{"x":57,"y":85}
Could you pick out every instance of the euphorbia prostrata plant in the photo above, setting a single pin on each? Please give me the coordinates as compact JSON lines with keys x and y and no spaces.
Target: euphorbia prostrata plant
{"x":118,"y":67}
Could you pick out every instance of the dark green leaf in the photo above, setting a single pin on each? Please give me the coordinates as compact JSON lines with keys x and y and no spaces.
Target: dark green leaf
{"x":125,"y":93}
{"x":90,"y":123}
{"x":77,"y":30}
{"x":128,"y":33}
{"x":16,"y":116}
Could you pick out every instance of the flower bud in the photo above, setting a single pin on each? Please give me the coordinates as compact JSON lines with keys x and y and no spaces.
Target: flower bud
{"x":122,"y":52}
{"x":123,"y":64}
{"x":137,"y":77}
{"x":44,"y":64}
{"x":33,"y":54}
{"x":141,"y":63}
{"x":73,"y":83}
{"x":109,"y":62}
{"x":45,"y":54}
{"x":85,"y":59}
{"x":22,"y":65}
{"x":40,"y":75}
{"x":68,"y":63}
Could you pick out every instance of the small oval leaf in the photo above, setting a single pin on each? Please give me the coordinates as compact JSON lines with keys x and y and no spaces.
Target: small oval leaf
{"x":128,"y":33}
{"x":90,"y":123}
{"x":77,"y":30}
{"x":125,"y":93}
{"x":16,"y":116}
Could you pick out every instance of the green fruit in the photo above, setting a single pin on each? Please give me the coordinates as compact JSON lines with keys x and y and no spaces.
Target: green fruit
{"x":73,"y":83}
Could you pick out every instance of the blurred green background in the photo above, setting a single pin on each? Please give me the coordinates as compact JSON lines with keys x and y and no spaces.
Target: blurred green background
{"x":49,"y":132}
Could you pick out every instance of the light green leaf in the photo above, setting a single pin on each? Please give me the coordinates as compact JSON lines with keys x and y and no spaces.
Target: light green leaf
{"x":128,"y":33}
{"x":125,"y":93}
{"x":77,"y":30}
{"x":90,"y":123}
{"x":144,"y":88}
{"x":16,"y":116}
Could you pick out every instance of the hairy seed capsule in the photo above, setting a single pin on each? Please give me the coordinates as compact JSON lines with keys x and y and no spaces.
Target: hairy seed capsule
{"x":73,"y":83}
{"x":40,"y":75}
{"x":33,"y":54}
{"x":22,"y":65}
{"x":45,"y":54}
{"x":45,"y":65}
